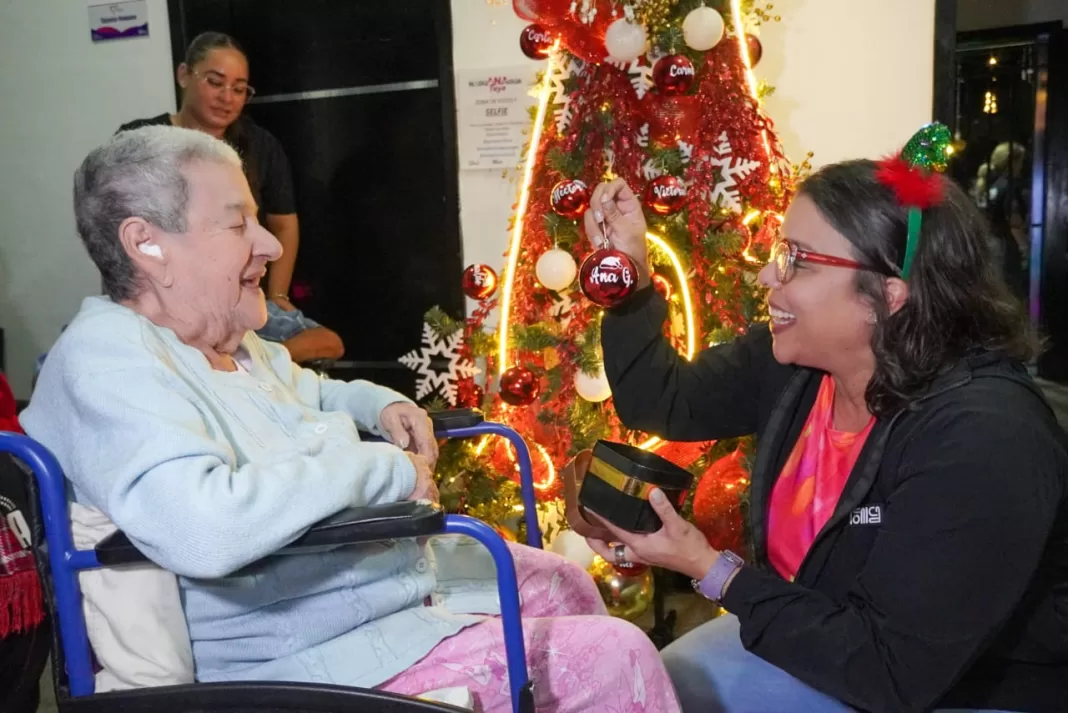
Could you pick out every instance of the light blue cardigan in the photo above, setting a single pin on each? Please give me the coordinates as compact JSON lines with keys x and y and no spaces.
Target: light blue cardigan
{"x":210,"y":472}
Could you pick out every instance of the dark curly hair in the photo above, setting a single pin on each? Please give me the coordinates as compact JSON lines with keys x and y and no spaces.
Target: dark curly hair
{"x":958,"y":305}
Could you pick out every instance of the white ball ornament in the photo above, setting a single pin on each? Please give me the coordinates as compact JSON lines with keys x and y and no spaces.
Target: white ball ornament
{"x":572,"y":546}
{"x":702,"y":29}
{"x":556,"y":269}
{"x":625,"y":41}
{"x":594,"y":389}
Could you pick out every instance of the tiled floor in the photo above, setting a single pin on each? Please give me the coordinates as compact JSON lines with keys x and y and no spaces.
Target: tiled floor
{"x":690,"y":609}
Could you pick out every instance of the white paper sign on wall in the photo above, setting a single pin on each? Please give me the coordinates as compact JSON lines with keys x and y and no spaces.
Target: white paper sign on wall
{"x":493,"y":114}
{"x":118,"y":20}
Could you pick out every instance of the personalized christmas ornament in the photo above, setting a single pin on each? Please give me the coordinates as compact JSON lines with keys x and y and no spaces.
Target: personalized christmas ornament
{"x":665,"y":195}
{"x":556,"y":269}
{"x":608,"y":276}
{"x":570,"y":198}
{"x":702,"y":29}
{"x":673,"y":74}
{"x":535,"y":41}
{"x":519,"y":386}
{"x":479,"y":281}
{"x":625,"y":41}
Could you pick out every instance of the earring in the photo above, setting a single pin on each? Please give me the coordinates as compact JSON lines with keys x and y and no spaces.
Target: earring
{"x":872,"y":319}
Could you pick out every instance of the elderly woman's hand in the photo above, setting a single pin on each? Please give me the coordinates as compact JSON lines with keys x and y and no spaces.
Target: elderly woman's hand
{"x":624,"y":221}
{"x":425,"y":487}
{"x":678,"y":545}
{"x":407,"y":426}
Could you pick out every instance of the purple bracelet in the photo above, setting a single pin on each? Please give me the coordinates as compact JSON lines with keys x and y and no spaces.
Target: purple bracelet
{"x":711,"y":585}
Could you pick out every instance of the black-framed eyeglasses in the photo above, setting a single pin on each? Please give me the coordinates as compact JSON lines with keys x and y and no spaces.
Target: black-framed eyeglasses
{"x":241,"y":90}
{"x":785,"y":255}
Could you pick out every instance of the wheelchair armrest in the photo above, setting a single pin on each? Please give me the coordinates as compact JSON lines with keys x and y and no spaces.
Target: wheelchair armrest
{"x":456,"y":418}
{"x":374,"y":523}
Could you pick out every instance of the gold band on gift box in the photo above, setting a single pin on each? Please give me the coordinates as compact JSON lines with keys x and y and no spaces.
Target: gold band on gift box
{"x":620,"y":480}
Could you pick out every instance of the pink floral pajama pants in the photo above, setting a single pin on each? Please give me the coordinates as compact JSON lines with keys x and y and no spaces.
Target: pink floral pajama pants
{"x":579,"y":658}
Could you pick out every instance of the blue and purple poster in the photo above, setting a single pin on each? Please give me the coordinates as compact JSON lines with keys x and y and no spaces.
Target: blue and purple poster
{"x":118,"y":20}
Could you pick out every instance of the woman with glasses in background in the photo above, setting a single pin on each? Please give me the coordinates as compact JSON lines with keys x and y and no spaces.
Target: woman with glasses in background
{"x":908,"y":494}
{"x":214,"y":79}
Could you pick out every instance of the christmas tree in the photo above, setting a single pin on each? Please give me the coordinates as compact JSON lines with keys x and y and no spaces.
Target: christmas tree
{"x":662,"y":94}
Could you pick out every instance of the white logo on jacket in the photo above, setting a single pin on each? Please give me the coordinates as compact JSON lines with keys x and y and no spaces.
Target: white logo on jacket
{"x":867,"y":515}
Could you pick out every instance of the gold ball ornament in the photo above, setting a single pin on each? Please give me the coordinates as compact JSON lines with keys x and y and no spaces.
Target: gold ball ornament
{"x":626,"y":595}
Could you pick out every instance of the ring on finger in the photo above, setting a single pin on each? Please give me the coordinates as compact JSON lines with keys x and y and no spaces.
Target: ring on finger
{"x":620,"y":552}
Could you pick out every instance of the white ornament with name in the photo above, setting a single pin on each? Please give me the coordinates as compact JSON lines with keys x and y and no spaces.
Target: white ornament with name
{"x":592,"y":388}
{"x":702,"y":29}
{"x":556,"y":269}
{"x":625,"y":41}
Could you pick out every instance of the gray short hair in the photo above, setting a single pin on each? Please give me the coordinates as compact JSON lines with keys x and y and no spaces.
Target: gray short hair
{"x":137,"y":173}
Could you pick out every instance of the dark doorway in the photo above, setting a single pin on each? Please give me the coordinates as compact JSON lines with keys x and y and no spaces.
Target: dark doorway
{"x":1004,"y":93}
{"x":361,"y":96}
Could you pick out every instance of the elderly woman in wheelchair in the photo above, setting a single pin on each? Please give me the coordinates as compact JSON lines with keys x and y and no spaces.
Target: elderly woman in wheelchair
{"x":212,"y":451}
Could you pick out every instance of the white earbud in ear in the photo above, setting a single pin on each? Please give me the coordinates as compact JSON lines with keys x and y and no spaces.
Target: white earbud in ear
{"x":151,"y":249}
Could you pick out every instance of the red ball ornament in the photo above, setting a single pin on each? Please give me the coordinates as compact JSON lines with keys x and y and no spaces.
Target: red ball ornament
{"x":608,"y":277}
{"x":535,"y":41}
{"x":717,"y":503}
{"x":662,"y":285}
{"x":570,"y":198}
{"x":665,"y":195}
{"x":479,"y":281}
{"x":519,"y":386}
{"x":756,"y":50}
{"x":469,"y":394}
{"x":673,"y":74}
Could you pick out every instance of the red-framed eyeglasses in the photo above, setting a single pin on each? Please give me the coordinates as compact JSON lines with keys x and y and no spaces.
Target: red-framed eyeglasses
{"x":786,"y":255}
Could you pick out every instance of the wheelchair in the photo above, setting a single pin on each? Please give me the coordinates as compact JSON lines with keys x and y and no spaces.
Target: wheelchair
{"x":59,"y":563}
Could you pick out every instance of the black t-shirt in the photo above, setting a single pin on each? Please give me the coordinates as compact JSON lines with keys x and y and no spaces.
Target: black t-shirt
{"x":266,"y":165}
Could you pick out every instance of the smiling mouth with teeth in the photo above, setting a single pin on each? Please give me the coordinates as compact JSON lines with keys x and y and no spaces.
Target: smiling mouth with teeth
{"x":779,"y":317}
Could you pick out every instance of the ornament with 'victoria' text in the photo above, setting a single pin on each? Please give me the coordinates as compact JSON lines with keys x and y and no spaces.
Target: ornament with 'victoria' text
{"x":535,"y":41}
{"x":608,"y":277}
{"x":570,"y":198}
{"x":665,"y":195}
{"x":673,"y":74}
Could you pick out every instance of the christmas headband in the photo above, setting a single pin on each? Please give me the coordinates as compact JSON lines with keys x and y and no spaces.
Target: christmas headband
{"x":913,"y":176}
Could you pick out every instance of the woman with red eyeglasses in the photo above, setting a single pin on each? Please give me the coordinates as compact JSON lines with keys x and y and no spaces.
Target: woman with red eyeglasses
{"x":908,"y":494}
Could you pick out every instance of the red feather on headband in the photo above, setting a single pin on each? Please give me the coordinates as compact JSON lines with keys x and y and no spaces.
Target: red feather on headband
{"x":913,"y":186}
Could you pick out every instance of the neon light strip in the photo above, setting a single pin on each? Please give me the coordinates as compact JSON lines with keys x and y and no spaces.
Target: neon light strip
{"x":743,"y":48}
{"x":521,"y":210}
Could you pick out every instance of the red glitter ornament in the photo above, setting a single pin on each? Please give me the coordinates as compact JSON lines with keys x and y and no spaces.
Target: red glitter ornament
{"x":717,"y":505}
{"x":755,"y":49}
{"x":608,"y":277}
{"x":570,"y":198}
{"x":479,"y":281}
{"x":673,"y":74}
{"x":519,"y":386}
{"x":535,"y":41}
{"x":665,"y":195}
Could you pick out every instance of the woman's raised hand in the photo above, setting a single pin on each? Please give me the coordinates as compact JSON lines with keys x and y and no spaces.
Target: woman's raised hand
{"x":615,"y":204}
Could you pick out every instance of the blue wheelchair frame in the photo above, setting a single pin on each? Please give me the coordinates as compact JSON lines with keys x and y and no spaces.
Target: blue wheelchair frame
{"x":64,"y":561}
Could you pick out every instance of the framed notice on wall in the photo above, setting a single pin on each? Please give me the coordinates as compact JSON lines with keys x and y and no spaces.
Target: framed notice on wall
{"x":118,"y":20}
{"x":493,"y":116}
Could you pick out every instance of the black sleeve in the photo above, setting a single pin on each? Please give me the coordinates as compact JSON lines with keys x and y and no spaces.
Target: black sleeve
{"x":717,"y":395}
{"x":277,"y":188}
{"x":962,"y":536}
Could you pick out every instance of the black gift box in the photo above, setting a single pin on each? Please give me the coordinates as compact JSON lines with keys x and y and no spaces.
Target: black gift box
{"x":618,"y":481}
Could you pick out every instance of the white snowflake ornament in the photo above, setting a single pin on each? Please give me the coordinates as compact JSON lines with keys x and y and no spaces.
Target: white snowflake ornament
{"x":641,"y":78}
{"x":432,"y":380}
{"x":731,"y":170}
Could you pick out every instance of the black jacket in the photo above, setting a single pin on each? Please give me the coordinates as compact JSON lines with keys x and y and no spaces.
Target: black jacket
{"x":942,"y":577}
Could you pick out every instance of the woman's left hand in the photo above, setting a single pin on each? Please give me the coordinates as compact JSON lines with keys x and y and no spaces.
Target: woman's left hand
{"x":678,"y":545}
{"x":409,"y":427}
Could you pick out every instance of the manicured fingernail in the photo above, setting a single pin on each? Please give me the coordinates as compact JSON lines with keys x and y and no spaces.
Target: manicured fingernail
{"x":657,"y":496}
{"x":598,"y":216}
